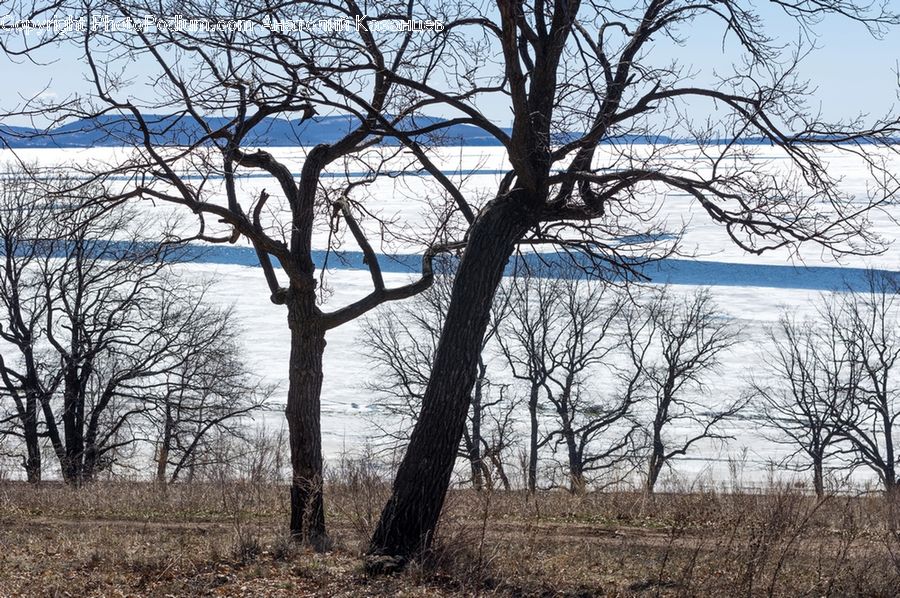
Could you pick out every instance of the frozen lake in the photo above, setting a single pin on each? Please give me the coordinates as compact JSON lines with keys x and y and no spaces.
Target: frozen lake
{"x":751,"y":290}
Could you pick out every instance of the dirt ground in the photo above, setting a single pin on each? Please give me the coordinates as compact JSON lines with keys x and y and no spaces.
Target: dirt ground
{"x":131,"y":539}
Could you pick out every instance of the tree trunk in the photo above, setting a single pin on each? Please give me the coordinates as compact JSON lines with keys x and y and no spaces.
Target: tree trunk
{"x":53,"y":433}
{"x":162,"y":461}
{"x":475,"y":450}
{"x":501,"y":471}
{"x":533,"y":439}
{"x":576,"y":471}
{"x":411,"y":515}
{"x":890,"y":474}
{"x":576,"y":468}
{"x":471,"y":454}
{"x":304,"y":428}
{"x":32,"y":440}
{"x":818,"y":476}
{"x":74,"y":442}
{"x":657,"y":460}
{"x":653,"y":474}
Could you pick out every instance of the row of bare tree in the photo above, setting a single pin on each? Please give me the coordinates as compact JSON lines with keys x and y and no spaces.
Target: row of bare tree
{"x":609,"y":376}
{"x":107,"y":352}
{"x":831,"y":388}
{"x":618,"y":377}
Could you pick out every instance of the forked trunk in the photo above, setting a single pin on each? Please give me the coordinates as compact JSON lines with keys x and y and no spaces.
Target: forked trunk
{"x":411,"y":515}
{"x":302,"y":412}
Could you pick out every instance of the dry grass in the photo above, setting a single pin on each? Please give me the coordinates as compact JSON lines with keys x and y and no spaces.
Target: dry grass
{"x":131,"y":539}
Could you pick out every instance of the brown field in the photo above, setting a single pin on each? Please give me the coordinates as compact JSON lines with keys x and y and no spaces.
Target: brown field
{"x":136,"y":539}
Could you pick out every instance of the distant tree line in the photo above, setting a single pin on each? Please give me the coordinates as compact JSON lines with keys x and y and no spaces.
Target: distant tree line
{"x":831,"y":388}
{"x":108,"y":353}
{"x":610,"y":382}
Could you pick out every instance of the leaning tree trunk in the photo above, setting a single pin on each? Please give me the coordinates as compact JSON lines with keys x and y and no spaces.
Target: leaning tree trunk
{"x":302,"y":413}
{"x":411,"y":515}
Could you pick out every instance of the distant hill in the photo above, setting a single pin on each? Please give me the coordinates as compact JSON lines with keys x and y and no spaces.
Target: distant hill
{"x":112,"y":131}
{"x":117,"y":130}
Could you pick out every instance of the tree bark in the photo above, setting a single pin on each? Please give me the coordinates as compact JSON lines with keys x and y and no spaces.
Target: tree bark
{"x":74,"y":444}
{"x":411,"y":515}
{"x":533,"y":440}
{"x":576,"y":470}
{"x":32,"y":440}
{"x":165,"y":442}
{"x":818,"y":479}
{"x":475,"y":470}
{"x":475,"y":451}
{"x":890,"y":474}
{"x":657,"y":460}
{"x":302,"y":413}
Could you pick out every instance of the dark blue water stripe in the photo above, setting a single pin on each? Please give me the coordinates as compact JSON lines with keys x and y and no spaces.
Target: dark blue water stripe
{"x":671,"y":271}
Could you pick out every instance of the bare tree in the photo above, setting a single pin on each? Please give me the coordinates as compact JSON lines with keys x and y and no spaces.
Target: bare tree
{"x":401,"y":340}
{"x":525,"y":340}
{"x":99,"y":324}
{"x":208,"y":395}
{"x":869,"y":326}
{"x":805,"y":392}
{"x":23,"y":224}
{"x":581,"y":66}
{"x":556,"y":339}
{"x":574,"y":75}
{"x":68,"y":293}
{"x":217,"y":91}
{"x":673,"y":355}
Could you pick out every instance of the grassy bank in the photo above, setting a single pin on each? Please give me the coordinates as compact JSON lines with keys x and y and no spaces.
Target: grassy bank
{"x":135,"y":539}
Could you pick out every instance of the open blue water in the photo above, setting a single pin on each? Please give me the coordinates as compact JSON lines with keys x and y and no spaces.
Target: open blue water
{"x":671,"y":271}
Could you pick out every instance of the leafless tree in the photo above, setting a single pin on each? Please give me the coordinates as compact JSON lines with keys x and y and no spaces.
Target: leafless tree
{"x":557,"y":338}
{"x":594,"y":67}
{"x":23,"y":223}
{"x":574,"y":75}
{"x":524,"y":339}
{"x":401,"y":340}
{"x":216,"y":92}
{"x":805,"y":391}
{"x":98,"y":324}
{"x":70,"y":294}
{"x":675,"y":345}
{"x":208,"y":395}
{"x":869,"y":327}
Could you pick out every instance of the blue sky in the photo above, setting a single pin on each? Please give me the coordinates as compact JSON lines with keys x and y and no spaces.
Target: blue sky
{"x":852,"y":72}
